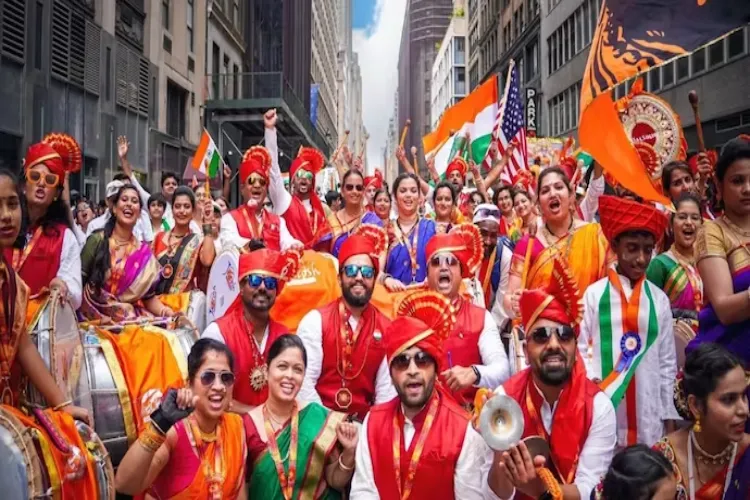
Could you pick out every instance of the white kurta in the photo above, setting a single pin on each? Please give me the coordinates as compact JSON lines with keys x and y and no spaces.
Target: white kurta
{"x":69,"y":271}
{"x":310,"y":331}
{"x":498,"y":311}
{"x":230,"y":237}
{"x":654,"y":376}
{"x":495,"y":368}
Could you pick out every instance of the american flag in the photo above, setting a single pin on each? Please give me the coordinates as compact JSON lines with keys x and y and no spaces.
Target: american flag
{"x":511,"y":127}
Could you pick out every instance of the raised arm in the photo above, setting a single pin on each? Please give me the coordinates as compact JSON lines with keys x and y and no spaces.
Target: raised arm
{"x":280,"y":197}
{"x":123,"y":147}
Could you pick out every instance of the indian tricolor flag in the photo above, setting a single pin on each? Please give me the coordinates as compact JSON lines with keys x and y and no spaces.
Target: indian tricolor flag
{"x":475,"y":113}
{"x":207,"y":159}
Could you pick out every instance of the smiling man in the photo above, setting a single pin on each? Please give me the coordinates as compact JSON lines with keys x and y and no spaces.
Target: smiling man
{"x":246,"y":327}
{"x":346,"y":366}
{"x":626,"y":335}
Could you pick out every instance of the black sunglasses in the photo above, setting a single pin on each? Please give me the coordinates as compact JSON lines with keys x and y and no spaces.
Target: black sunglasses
{"x":351,"y":271}
{"x":542,"y":334}
{"x":403,"y":361}
{"x":208,"y":377}
{"x":352,"y":187}
{"x":446,"y":259}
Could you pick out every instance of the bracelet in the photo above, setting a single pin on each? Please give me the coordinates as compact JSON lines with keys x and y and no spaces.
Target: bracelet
{"x":207,"y":229}
{"x":151,"y":439}
{"x":62,"y":405}
{"x":344,"y":467}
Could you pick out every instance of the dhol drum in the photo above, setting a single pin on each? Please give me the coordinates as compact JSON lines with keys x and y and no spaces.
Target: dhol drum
{"x":55,"y":333}
{"x":683,"y":334}
{"x":196,"y":311}
{"x":223,"y":284}
{"x":181,"y":340}
{"x":105,"y":472}
{"x":21,"y":473}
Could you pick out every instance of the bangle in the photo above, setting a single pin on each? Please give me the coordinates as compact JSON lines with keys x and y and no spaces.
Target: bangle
{"x":151,"y":439}
{"x":62,"y":405}
{"x":207,"y":229}
{"x":344,"y":467}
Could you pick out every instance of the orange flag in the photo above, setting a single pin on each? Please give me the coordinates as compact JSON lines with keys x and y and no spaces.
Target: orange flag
{"x":602,"y":136}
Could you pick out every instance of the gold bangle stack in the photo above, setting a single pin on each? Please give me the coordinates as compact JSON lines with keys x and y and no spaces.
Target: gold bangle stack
{"x":151,"y":439}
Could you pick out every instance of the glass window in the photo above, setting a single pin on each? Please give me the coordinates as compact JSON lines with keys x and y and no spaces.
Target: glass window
{"x":736,"y":43}
{"x":459,"y":50}
{"x":683,"y":68}
{"x":565,"y":44}
{"x":654,"y":80}
{"x":667,"y":74}
{"x":190,"y":18}
{"x":699,"y":60}
{"x":716,"y":53}
{"x":165,"y":14}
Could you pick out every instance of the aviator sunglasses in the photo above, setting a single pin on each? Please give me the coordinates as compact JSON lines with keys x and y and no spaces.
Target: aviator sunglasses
{"x":403,"y":361}
{"x":49,"y":179}
{"x":446,"y":259}
{"x":351,"y":271}
{"x":254,"y":280}
{"x":253,"y":179}
{"x":208,"y":377}
{"x":351,"y":187}
{"x":542,"y":334}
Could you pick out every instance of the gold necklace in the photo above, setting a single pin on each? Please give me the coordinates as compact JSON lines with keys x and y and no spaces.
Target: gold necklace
{"x":706,"y":458}
{"x":734,"y":227}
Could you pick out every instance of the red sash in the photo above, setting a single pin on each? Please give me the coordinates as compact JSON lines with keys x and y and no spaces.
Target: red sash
{"x":462,"y":347}
{"x":306,"y":227}
{"x":268,"y":229}
{"x":38,"y":263}
{"x":433,"y":479}
{"x":234,"y":330}
{"x":573,"y":416}
{"x":367,"y":354}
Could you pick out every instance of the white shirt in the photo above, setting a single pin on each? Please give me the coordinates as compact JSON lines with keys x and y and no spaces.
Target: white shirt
{"x":598,"y":449}
{"x":69,"y":271}
{"x":168,"y":215}
{"x":590,"y":203}
{"x":654,"y":377}
{"x":310,"y":332}
{"x":494,"y":369}
{"x":498,"y":311}
{"x":213,"y":331}
{"x":469,"y":478}
{"x":230,"y":235}
{"x":280,"y":197}
{"x":142,"y":230}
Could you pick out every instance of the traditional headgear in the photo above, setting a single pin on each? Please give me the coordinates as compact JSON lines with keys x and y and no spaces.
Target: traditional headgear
{"x":59,"y":152}
{"x":280,"y":265}
{"x":424,"y":319}
{"x":618,"y":215}
{"x":376,"y":179}
{"x":112,"y":188}
{"x":309,"y":159}
{"x":369,"y":240}
{"x":487,"y":212}
{"x":458,"y":164}
{"x":713,"y":157}
{"x":465,"y":242}
{"x":256,"y":160}
{"x":559,"y":302}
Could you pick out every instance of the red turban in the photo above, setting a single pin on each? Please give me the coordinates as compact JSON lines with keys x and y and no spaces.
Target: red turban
{"x":375,"y":179}
{"x":256,"y":160}
{"x":60,"y":153}
{"x":559,"y":302}
{"x":617,"y":215}
{"x":358,"y":244}
{"x":309,"y":159}
{"x":280,"y":265}
{"x":458,"y":164}
{"x":465,"y":242}
{"x":424,"y":319}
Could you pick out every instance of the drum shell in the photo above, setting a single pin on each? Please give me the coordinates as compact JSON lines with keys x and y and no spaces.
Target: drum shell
{"x":223,"y":284}
{"x":196,"y":311}
{"x":21,"y":467}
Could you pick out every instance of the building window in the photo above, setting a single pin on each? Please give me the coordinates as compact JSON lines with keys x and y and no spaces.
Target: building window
{"x":236,"y":14}
{"x":108,"y":75}
{"x":176,"y":103}
{"x":166,"y":14}
{"x":667,"y":74}
{"x":215,"y":69}
{"x":236,"y":81}
{"x":563,"y":110}
{"x":736,"y":43}
{"x":532,"y":56}
{"x":190,"y":19}
{"x":698,"y":60}
{"x":654,"y":80}
{"x":38,"y":46}
{"x":460,"y":83}
{"x":683,"y":67}
{"x":459,"y":50}
{"x":716,"y":53}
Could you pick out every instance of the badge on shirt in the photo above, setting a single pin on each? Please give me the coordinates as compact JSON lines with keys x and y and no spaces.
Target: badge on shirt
{"x":377,"y":336}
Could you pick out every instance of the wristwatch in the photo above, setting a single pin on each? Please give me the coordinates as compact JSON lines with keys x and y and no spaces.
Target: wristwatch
{"x":546,"y":496}
{"x":476,"y":372}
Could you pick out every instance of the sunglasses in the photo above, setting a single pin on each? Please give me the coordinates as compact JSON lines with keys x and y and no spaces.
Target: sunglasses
{"x":254,"y":280}
{"x":209,"y":377}
{"x":351,"y":271}
{"x":487,"y":212}
{"x":542,"y":334}
{"x":403,"y":361}
{"x":352,"y":187}
{"x":304,"y":174}
{"x":50,"y":179}
{"x":256,"y":179}
{"x":444,"y":259}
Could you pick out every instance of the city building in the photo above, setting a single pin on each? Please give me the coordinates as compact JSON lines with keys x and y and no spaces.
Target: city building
{"x":449,"y":83}
{"x":718,"y":72}
{"x":425,"y":22}
{"x":484,"y":37}
{"x":344,"y":58}
{"x":325,"y":45}
{"x":354,"y":92}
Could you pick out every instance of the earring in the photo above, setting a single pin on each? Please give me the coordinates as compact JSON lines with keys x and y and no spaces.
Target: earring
{"x":697,"y":425}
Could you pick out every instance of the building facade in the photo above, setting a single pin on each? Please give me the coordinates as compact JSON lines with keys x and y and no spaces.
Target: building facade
{"x":425,"y":22}
{"x":449,"y":83}
{"x":324,"y":61}
{"x":718,"y":72}
{"x":354,"y":92}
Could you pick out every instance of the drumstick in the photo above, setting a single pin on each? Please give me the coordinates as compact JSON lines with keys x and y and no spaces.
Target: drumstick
{"x":403,"y":133}
{"x":693,"y":98}
{"x":524,"y":277}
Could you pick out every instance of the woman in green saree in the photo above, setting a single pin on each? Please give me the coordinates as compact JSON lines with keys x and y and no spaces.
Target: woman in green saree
{"x":296,"y":450}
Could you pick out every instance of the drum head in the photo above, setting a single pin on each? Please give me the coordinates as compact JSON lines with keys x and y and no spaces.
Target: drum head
{"x":59,"y":343}
{"x":537,"y":446}
{"x":196,"y":312}
{"x":20,"y":467}
{"x":223,"y":285}
{"x":683,"y":334}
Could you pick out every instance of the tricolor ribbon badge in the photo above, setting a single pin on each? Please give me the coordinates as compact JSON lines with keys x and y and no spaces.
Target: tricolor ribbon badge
{"x":630,"y":346}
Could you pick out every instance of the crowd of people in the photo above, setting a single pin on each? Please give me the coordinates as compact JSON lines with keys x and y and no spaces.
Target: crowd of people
{"x":618,"y":327}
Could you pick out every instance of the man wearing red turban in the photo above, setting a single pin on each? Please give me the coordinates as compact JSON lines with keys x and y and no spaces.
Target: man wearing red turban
{"x":373,"y":183}
{"x":558,"y":402}
{"x":346,"y":367}
{"x":303,"y":211}
{"x":456,"y":175}
{"x":246,"y":327}
{"x":252,"y":221}
{"x":627,"y":326}
{"x":474,"y":353}
{"x":50,"y":258}
{"x":420,"y":445}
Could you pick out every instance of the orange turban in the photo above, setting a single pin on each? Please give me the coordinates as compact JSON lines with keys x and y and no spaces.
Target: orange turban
{"x":280,"y":265}
{"x":465,"y":242}
{"x":618,"y":215}
{"x":256,"y":160}
{"x":309,"y":159}
{"x":374,"y":180}
{"x":458,"y":164}
{"x":60,"y":153}
{"x":358,"y":244}
{"x":559,"y":302}
{"x":424,"y":319}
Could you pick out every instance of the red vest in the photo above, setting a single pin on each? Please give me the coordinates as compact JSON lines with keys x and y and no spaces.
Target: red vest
{"x":367,"y":354}
{"x":247,"y":224}
{"x":303,"y":226}
{"x":433,"y":479}
{"x":234,"y":330}
{"x":39,"y":262}
{"x":462,"y":347}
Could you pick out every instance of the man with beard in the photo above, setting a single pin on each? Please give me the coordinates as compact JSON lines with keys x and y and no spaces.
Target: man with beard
{"x":474,"y":353}
{"x":303,"y":211}
{"x":627,"y":335}
{"x":420,"y":445}
{"x":495,"y":269}
{"x":246,"y":327}
{"x":455,"y":173}
{"x":346,"y":367}
{"x":558,"y":402}
{"x":252,"y":221}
